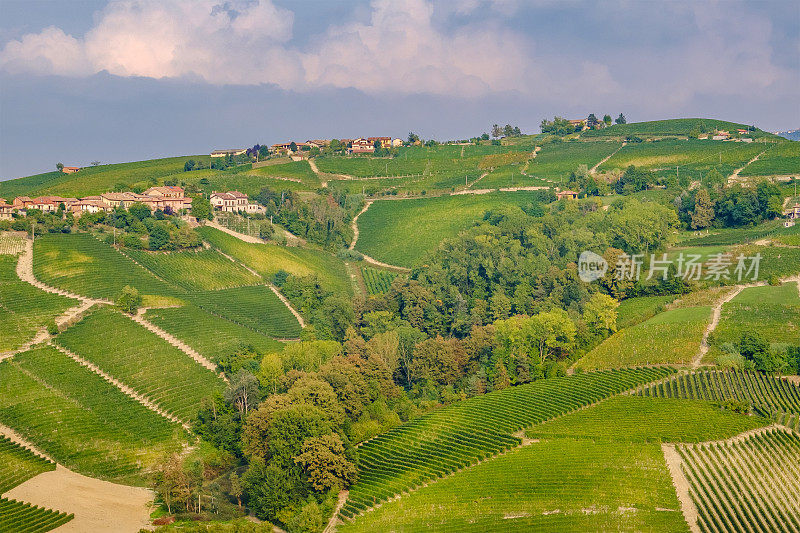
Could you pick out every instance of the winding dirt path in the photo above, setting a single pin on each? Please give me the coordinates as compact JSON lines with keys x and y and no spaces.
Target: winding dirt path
{"x":593,"y":170}
{"x":354,"y":224}
{"x":335,"y":521}
{"x":735,"y":176}
{"x":368,"y":259}
{"x":681,"y":484}
{"x":121,"y":386}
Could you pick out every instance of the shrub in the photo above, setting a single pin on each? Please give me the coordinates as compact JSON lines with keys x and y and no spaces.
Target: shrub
{"x":52,"y":328}
{"x":129,"y":300}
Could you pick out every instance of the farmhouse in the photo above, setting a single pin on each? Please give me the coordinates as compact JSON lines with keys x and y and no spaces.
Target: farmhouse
{"x":362,"y":146}
{"x":6,"y":210}
{"x":579,"y":123}
{"x":720,"y":137}
{"x":22,"y":202}
{"x":792,"y":216}
{"x":567,"y":195}
{"x":70,"y":170}
{"x":234,"y":202}
{"x":90,"y":204}
{"x":385,"y":142}
{"x":225,"y":153}
{"x":167,"y":191}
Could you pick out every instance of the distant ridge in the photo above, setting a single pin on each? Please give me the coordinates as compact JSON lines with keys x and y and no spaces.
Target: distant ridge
{"x":792,"y":135}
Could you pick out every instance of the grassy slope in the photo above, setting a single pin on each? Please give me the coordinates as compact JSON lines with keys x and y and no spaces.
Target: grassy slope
{"x":556,"y":161}
{"x":671,"y":337}
{"x":24,"y":308}
{"x":773,"y":312}
{"x":781,"y":160}
{"x":267,"y":259}
{"x":657,"y":128}
{"x":635,"y":310}
{"x":402,"y":232}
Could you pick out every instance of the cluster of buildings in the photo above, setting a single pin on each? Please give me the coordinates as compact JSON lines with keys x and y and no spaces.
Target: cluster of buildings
{"x":234,"y":202}
{"x":354,"y":146}
{"x":168,"y":198}
{"x":721,"y":135}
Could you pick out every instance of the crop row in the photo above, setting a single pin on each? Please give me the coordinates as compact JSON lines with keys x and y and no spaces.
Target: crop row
{"x":18,"y":464}
{"x":79,"y":419}
{"x":747,"y":484}
{"x":377,"y":281}
{"x":21,"y":517}
{"x":764,"y":392}
{"x":141,"y":360}
{"x":451,"y":438}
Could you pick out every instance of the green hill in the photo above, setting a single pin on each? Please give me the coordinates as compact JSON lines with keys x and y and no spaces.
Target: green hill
{"x":671,"y":127}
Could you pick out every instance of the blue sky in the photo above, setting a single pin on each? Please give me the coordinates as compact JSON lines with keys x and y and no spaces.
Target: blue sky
{"x":122,"y":80}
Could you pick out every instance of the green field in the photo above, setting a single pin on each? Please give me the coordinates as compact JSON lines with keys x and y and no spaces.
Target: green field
{"x":782,"y":160}
{"x":23,"y":307}
{"x":80,"y":420}
{"x":195,"y":270}
{"x":377,"y":280}
{"x":773,"y":312}
{"x":402,"y":232}
{"x":635,"y":310}
{"x":750,"y":484}
{"x":267,"y":259}
{"x":294,"y":170}
{"x":556,"y":161}
{"x":766,"y":393}
{"x":255,"y":307}
{"x":729,"y":236}
{"x":212,"y":336}
{"x":588,"y":473}
{"x":20,"y":517}
{"x":141,"y":360}
{"x":18,"y":464}
{"x":82,"y":264}
{"x":670,"y":127}
{"x":453,"y":437}
{"x":99,"y":179}
{"x":670,"y":337}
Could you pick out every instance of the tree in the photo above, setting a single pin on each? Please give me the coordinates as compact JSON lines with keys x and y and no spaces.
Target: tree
{"x":591,"y":120}
{"x":508,"y":130}
{"x":703,"y":214}
{"x":550,"y":332}
{"x":243,"y":392}
{"x":189,"y":165}
{"x":60,"y":167}
{"x":607,"y":119}
{"x":325,"y":463}
{"x":159,"y":238}
{"x":412,"y":137}
{"x":496,"y":131}
{"x":600,"y":312}
{"x":236,"y":489}
{"x":129,"y":300}
{"x":293,"y":146}
{"x":621,"y":119}
{"x":271,"y":371}
{"x":201,"y":208}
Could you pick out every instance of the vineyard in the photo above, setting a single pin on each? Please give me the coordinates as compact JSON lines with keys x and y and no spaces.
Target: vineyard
{"x":403,"y":232}
{"x":670,"y":337}
{"x":377,"y":281}
{"x":766,"y":393}
{"x":11,"y":244}
{"x":556,"y":161}
{"x":451,"y":438}
{"x":79,"y":419}
{"x":20,"y":517}
{"x":748,"y":483}
{"x":82,"y":264}
{"x":773,"y":311}
{"x":267,"y":259}
{"x":143,"y":361}
{"x":24,"y":308}
{"x":195,"y":270}
{"x":671,"y":127}
{"x":212,"y":336}
{"x":632,"y":311}
{"x":18,"y":464}
{"x":783,"y":159}
{"x":257,"y":308}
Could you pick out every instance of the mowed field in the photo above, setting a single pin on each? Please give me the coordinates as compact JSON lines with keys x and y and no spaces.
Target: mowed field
{"x":670,"y":337}
{"x":402,"y":232}
{"x":587,"y":473}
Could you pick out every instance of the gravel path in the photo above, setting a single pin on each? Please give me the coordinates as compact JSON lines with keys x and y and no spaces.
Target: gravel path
{"x":174,"y":341}
{"x":681,"y":486}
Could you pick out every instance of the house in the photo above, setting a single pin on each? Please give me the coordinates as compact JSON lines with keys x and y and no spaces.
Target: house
{"x":70,"y":170}
{"x":720,"y":137}
{"x":741,"y":132}
{"x":385,"y":142}
{"x":119,"y":199}
{"x":286,"y":148}
{"x":362,"y":146}
{"x":90,"y":204}
{"x":746,"y":139}
{"x":396,"y":143}
{"x":226,"y":153}
{"x":792,"y":216}
{"x":567,"y":195}
{"x":22,"y":202}
{"x":579,"y":123}
{"x":167,"y":191}
{"x":6,"y":210}
{"x":320,"y":142}
{"x":51,"y":203}
{"x":233,"y":202}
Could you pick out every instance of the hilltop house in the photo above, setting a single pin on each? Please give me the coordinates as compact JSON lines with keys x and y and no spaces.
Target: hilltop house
{"x":362,"y":146}
{"x":792,"y":215}
{"x":167,"y":191}
{"x":70,"y":170}
{"x":385,"y":142}
{"x":225,"y":153}
{"x":234,"y":202}
{"x":579,"y":123}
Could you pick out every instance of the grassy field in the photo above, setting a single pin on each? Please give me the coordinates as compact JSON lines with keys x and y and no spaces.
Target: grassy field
{"x":24,"y":308}
{"x":749,"y":484}
{"x":453,"y":437}
{"x":195,"y":270}
{"x":670,"y":127}
{"x":402,"y":232}
{"x":556,"y":161}
{"x":18,"y":464}
{"x":377,"y":280}
{"x":18,"y":516}
{"x":267,"y":259}
{"x":782,"y":160}
{"x":212,"y":336}
{"x":773,"y":312}
{"x":730,"y":236}
{"x":670,"y":337}
{"x":80,"y":420}
{"x":82,"y":264}
{"x":764,"y":392}
{"x":99,"y":179}
{"x":635,"y":310}
{"x":585,"y":475}
{"x":255,"y":307}
{"x":142,"y":360}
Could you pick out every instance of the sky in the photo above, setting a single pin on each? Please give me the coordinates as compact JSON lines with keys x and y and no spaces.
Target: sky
{"x":126,"y":80}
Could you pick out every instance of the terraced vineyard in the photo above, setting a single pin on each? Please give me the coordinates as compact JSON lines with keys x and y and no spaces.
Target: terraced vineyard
{"x":141,"y":360}
{"x":82,"y":264}
{"x":18,"y":464}
{"x":766,"y":393}
{"x":256,"y":307}
{"x":212,"y":336}
{"x":21,"y":517}
{"x":195,"y":270}
{"x":748,"y":483}
{"x":80,"y":420}
{"x":23,"y":307}
{"x":377,"y":280}
{"x":457,"y":436}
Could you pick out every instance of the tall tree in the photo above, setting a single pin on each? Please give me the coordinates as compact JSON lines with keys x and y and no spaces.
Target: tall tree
{"x":703,"y":214}
{"x":497,"y":131}
{"x":607,"y":119}
{"x":621,"y":119}
{"x":325,"y":463}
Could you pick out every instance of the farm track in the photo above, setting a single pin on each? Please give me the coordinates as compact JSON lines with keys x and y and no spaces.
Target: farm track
{"x":368,"y":259}
{"x":19,"y":439}
{"x":733,"y":178}
{"x":682,"y":486}
{"x":593,"y":170}
{"x":121,"y":386}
